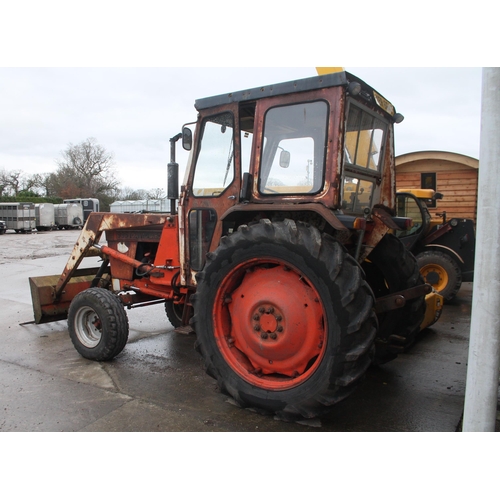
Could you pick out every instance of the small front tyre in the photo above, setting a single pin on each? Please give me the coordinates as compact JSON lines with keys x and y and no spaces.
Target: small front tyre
{"x":98,"y":324}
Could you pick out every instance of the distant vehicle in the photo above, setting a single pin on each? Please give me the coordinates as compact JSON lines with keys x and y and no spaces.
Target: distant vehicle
{"x":89,"y":205}
{"x":19,"y":216}
{"x":3,"y":227}
{"x":444,"y":249}
{"x":45,"y":216}
{"x":68,"y":215}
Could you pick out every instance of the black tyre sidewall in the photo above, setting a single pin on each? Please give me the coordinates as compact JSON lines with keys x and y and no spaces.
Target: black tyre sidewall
{"x":301,"y":400}
{"x":399,"y":270}
{"x":449,"y":265}
{"x":174,"y":314}
{"x":114,"y":321}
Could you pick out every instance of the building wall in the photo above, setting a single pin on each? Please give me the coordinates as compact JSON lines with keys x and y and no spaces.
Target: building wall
{"x":456,"y":178}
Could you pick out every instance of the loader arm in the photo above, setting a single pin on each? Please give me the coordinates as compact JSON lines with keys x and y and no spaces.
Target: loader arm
{"x":51,"y":295}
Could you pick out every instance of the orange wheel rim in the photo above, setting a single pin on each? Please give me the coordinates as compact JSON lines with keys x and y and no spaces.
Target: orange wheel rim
{"x":270,"y":324}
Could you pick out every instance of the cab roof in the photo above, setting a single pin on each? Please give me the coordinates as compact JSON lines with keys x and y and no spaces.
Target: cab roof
{"x":342,"y":78}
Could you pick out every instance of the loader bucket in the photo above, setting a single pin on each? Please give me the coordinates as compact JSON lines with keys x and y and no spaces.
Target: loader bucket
{"x":45,"y":306}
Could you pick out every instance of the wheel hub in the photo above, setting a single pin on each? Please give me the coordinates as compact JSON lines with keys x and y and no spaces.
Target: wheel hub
{"x":435,"y":275}
{"x":88,"y":327}
{"x":267,"y":321}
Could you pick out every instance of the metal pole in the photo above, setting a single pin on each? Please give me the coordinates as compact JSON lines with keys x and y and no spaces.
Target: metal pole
{"x":481,"y":392}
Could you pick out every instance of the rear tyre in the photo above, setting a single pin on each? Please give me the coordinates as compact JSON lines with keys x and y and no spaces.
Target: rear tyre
{"x":442,"y":272}
{"x":284,"y":319}
{"x":392,"y":268}
{"x":98,"y":324}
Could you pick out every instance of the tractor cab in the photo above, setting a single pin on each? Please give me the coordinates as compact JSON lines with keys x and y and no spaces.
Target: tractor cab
{"x":320,"y":149}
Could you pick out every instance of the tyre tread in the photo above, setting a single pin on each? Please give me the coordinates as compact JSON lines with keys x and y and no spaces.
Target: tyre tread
{"x":355,"y":351}
{"x":115,"y":323}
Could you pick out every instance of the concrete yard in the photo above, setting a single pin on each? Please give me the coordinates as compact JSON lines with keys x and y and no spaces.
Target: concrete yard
{"x":158,"y":382}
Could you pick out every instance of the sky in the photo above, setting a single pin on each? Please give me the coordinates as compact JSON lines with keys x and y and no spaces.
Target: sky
{"x":128,"y":74}
{"x":133,"y":112}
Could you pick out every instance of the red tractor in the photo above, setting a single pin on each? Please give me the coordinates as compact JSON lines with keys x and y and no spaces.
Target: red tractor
{"x":279,"y":252}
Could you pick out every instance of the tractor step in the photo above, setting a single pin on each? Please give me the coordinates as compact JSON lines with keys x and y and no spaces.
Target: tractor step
{"x":184,"y":330}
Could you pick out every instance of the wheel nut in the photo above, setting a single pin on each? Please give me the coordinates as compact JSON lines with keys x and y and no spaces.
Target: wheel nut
{"x":279,"y":329}
{"x":256,"y":317}
{"x":256,"y":328}
{"x":270,"y":310}
{"x":400,"y":301}
{"x":273,"y":336}
{"x":263,"y":335}
{"x":278,"y":318}
{"x":262,"y":310}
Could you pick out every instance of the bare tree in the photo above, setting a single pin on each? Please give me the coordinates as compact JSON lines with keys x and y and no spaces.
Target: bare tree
{"x":128,"y":193}
{"x":3,"y":182}
{"x":85,"y":170}
{"x":11,"y":182}
{"x":156,"y":194}
{"x":43,"y":183}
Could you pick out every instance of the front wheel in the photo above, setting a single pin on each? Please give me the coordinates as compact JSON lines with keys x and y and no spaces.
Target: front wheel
{"x":98,"y":324}
{"x":284,"y":319}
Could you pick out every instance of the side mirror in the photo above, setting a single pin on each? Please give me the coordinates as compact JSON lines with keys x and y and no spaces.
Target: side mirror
{"x":187,"y":138}
{"x":284,"y":159}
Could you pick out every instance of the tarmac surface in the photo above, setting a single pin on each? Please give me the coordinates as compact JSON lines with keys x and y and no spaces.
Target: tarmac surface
{"x":158,"y":382}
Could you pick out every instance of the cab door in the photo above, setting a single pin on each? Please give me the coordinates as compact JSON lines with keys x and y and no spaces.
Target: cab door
{"x":408,"y":205}
{"x":213,"y":185}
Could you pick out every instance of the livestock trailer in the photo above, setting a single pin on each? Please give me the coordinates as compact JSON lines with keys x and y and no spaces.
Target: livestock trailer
{"x":68,"y":215}
{"x":45,"y":216}
{"x":19,"y":216}
{"x":89,"y":205}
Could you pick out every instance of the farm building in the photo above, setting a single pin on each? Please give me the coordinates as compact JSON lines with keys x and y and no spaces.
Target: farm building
{"x":452,"y":174}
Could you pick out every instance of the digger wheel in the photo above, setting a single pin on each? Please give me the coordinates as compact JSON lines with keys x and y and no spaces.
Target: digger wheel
{"x":442,"y":272}
{"x":98,"y":324}
{"x":284,"y":319}
{"x":392,"y":268}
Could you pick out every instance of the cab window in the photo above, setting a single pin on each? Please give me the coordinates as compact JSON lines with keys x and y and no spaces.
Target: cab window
{"x":293,"y":149}
{"x":214,"y":169}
